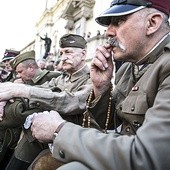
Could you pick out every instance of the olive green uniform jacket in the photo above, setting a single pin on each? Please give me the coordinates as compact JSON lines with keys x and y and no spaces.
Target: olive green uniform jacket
{"x":43,"y":76}
{"x":15,"y":114}
{"x":68,"y":96}
{"x":144,"y":109}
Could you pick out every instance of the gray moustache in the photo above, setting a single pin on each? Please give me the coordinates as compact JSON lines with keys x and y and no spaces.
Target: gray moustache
{"x":114,"y":43}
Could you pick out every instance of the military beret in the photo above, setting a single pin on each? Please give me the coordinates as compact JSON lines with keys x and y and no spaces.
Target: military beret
{"x":72,"y":40}
{"x":125,"y":7}
{"x":10,"y":54}
{"x":22,"y":57}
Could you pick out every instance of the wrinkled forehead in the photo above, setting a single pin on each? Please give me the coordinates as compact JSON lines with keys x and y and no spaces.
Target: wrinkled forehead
{"x":20,"y":67}
{"x":71,"y":49}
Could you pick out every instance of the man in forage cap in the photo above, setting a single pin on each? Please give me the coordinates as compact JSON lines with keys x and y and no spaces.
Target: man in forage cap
{"x":138,"y":34}
{"x":67,"y":93}
{"x":16,"y":112}
{"x":27,"y":69}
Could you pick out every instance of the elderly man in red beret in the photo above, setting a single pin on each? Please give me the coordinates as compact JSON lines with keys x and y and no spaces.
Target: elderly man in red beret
{"x":138,"y":34}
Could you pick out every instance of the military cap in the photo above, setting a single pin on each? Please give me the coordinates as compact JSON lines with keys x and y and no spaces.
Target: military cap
{"x":72,"y":40}
{"x":22,"y":57}
{"x":10,"y":54}
{"x":125,"y":7}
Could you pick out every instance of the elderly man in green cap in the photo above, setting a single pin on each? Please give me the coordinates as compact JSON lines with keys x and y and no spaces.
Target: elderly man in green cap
{"x":66,"y":94}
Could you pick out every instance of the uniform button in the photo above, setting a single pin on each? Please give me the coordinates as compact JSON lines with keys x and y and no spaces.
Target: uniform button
{"x":136,"y":124}
{"x":61,"y":153}
{"x":127,"y":129}
{"x":135,"y":88}
{"x":133,"y":108}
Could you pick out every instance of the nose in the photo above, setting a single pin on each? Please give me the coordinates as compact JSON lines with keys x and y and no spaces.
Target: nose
{"x":64,"y":57}
{"x":111,"y":31}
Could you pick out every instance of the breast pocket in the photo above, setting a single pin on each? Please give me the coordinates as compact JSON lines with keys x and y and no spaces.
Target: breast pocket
{"x":135,"y":103}
{"x":133,"y":110}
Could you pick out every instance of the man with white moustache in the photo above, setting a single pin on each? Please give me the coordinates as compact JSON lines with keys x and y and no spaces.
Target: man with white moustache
{"x":66,"y":94}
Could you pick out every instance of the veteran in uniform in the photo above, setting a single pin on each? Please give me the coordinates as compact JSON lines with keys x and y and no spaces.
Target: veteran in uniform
{"x":28,"y":71}
{"x":7,"y":74}
{"x":8,"y":56}
{"x":66,"y":93}
{"x":138,"y":33}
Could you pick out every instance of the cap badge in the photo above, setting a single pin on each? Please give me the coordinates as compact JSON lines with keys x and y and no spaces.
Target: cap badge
{"x":71,"y":42}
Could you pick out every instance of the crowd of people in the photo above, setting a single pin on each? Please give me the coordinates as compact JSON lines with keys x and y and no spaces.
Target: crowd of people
{"x":79,"y":118}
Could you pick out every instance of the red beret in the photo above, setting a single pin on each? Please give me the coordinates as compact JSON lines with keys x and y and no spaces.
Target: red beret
{"x":125,"y":7}
{"x":162,"y":5}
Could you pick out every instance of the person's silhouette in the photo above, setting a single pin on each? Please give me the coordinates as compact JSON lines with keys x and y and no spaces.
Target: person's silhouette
{"x":47,"y":45}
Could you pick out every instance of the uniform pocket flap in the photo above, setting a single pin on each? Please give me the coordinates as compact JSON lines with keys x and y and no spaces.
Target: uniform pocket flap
{"x":135,"y":103}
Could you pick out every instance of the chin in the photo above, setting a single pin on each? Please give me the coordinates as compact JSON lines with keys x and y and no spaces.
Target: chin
{"x":118,"y":58}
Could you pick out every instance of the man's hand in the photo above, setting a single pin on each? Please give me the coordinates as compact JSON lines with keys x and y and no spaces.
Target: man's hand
{"x":101,"y":71}
{"x":45,"y":124}
{"x":10,"y":90}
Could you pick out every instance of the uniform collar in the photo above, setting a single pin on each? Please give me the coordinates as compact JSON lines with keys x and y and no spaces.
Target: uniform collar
{"x":78,"y":74}
{"x":155,"y":52}
{"x":39,"y":74}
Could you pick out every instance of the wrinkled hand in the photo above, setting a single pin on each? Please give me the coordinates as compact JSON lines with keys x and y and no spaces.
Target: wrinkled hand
{"x":101,"y":71}
{"x":45,"y":124}
{"x":2,"y":105}
{"x":10,"y":90}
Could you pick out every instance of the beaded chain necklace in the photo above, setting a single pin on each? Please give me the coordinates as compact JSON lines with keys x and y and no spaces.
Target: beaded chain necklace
{"x":88,"y":118}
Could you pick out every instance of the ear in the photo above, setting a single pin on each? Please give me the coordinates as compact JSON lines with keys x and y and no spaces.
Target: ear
{"x":154,"y":22}
{"x":83,"y":54}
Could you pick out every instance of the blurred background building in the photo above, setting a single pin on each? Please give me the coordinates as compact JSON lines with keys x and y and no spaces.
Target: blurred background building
{"x":68,"y":16}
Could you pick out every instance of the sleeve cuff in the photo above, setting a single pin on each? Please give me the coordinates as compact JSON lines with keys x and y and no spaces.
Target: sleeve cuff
{"x":60,"y":126}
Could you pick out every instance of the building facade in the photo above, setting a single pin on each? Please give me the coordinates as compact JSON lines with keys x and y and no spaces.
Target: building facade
{"x":69,"y":16}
